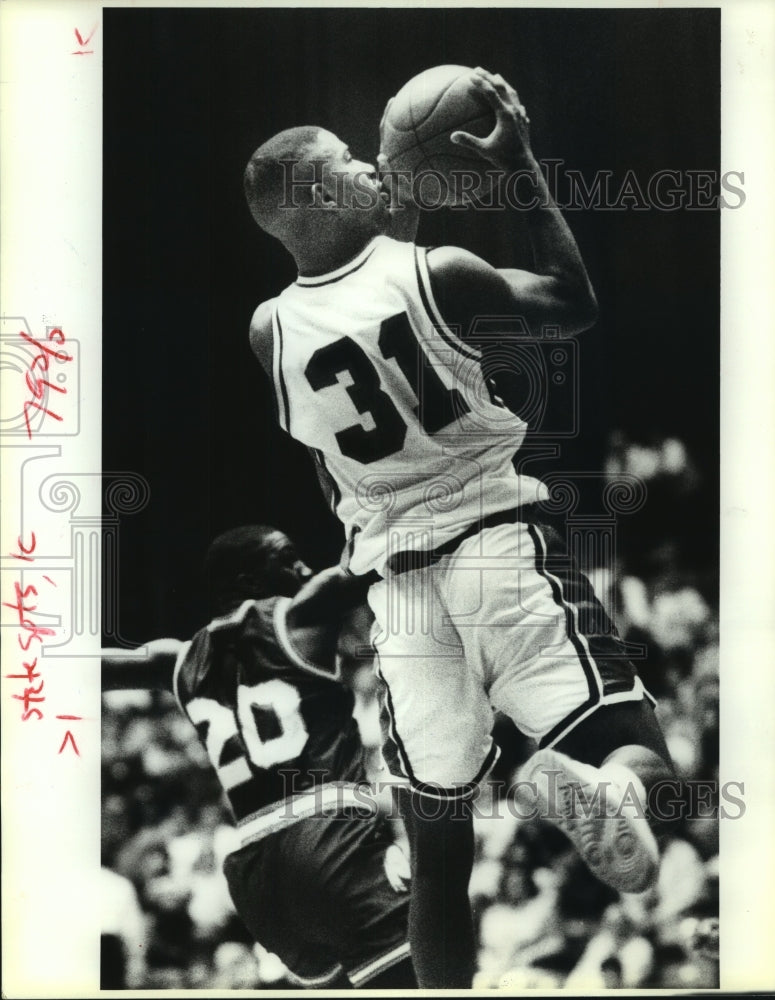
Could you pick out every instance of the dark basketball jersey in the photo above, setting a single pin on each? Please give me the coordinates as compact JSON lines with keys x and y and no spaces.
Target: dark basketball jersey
{"x":278,"y":730}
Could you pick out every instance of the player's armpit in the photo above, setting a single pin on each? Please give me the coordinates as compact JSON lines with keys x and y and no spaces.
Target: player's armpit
{"x":261,"y":335}
{"x":467,"y":288}
{"x":149,"y":667}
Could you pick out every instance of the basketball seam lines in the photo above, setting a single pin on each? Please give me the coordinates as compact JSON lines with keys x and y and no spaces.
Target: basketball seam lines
{"x":463,"y":153}
{"x":428,"y":138}
{"x":421,"y":143}
{"x":438,"y":101}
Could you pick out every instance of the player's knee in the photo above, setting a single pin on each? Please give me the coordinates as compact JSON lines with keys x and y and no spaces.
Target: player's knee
{"x":628,"y":731}
{"x":660,"y":785}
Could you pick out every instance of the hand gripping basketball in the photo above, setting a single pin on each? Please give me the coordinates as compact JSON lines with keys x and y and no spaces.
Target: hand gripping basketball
{"x":417,"y":123}
{"x":509,"y":141}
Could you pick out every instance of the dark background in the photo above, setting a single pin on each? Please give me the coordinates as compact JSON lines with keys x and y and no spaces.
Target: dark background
{"x":189,"y":94}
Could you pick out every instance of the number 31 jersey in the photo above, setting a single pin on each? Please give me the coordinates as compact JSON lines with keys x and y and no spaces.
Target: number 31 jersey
{"x":410,"y":445}
{"x":279,"y":731}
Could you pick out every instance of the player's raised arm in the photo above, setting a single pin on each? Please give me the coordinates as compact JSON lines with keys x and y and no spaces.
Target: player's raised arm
{"x":558,"y":292}
{"x":315,"y":615}
{"x":149,"y":667}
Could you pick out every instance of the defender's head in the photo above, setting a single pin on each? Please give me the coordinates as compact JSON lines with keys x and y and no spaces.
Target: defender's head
{"x":305,"y":182}
{"x":252,"y":562}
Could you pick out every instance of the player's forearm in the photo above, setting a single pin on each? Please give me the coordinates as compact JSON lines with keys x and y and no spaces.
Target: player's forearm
{"x":123,"y":673}
{"x":148,"y":667}
{"x":557,"y":260}
{"x":555,"y":251}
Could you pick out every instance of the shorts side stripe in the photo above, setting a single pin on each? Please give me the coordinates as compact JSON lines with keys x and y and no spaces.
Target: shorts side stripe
{"x":365,"y":972}
{"x":594,"y":681}
{"x":395,"y":739}
{"x":569,"y":723}
{"x":566,"y":724}
{"x":463,"y":791}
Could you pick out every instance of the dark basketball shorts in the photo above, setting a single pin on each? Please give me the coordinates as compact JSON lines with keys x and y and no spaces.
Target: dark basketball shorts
{"x":316,"y":895}
{"x":503,"y":621}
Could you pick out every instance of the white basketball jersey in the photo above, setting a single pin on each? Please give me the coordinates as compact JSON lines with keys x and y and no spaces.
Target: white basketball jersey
{"x":394,"y":406}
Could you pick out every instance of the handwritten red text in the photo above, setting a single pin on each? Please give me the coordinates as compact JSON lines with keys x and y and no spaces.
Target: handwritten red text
{"x":36,"y":383}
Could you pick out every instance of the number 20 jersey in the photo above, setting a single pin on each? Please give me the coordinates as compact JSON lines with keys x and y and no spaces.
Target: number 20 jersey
{"x":411,"y":448}
{"x":278,"y":730}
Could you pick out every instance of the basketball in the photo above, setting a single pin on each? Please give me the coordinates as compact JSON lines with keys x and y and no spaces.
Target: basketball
{"x":416,"y":135}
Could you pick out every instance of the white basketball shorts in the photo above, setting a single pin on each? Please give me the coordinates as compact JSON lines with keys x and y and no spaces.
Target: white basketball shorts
{"x":505,"y":622}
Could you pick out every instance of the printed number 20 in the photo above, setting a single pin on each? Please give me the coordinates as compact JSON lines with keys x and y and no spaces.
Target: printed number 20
{"x":276,"y":697}
{"x":437,"y":406}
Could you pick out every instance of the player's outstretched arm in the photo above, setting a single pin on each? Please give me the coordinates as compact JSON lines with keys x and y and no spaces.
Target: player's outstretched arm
{"x":558,"y":292}
{"x":149,"y":667}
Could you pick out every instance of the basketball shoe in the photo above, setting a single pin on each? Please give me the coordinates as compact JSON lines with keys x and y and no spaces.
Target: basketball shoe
{"x":602,"y":812}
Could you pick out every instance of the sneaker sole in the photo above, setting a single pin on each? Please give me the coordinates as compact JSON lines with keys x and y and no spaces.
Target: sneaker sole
{"x":620,"y":850}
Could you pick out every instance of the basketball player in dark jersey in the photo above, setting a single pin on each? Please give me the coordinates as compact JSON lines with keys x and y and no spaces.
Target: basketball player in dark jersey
{"x":260,"y":685}
{"x":477,"y":603}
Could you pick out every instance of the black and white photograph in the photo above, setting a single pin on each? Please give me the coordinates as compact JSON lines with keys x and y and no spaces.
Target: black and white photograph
{"x":395,"y":640}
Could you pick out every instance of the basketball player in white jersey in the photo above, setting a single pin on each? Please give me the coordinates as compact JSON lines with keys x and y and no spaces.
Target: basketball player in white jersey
{"x":477,"y":605}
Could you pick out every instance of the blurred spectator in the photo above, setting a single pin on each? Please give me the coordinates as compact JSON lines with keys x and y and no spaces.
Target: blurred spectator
{"x":618,"y":955}
{"x":520,"y":926}
{"x":681,"y":886}
{"x":236,"y":967}
{"x":611,"y":969}
{"x":123,"y":934}
{"x":658,"y":458}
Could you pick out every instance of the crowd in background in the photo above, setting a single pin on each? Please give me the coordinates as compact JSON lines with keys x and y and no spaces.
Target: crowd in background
{"x":543,"y":921}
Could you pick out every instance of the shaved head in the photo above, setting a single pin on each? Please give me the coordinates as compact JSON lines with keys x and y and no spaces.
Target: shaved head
{"x":267,"y":175}
{"x":304,"y":187}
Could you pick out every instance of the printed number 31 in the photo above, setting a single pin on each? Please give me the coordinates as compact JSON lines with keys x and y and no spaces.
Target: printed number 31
{"x":437,"y":406}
